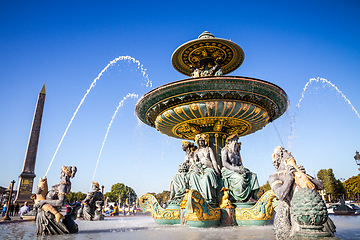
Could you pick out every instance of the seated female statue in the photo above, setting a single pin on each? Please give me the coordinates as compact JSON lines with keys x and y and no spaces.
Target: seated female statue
{"x":204,"y":172}
{"x":242,"y":183}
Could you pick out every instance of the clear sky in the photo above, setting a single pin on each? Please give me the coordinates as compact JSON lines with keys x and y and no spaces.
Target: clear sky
{"x":66,"y":45}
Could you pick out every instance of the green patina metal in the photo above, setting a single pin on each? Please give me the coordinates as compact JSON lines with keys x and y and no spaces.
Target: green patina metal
{"x":260,"y":93}
{"x":218,"y":106}
{"x":206,"y":49}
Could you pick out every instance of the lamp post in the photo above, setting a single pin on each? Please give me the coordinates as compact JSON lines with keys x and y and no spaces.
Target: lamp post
{"x":357,"y":159}
{"x":6,"y":217}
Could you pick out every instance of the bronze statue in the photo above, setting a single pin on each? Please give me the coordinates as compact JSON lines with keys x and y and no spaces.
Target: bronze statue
{"x":204,"y":154}
{"x":179,"y":184}
{"x":94,"y":202}
{"x":48,"y":218}
{"x":189,"y":148}
{"x":287,"y":179}
{"x":207,"y":67}
{"x":242,"y":183}
{"x":204,"y":172}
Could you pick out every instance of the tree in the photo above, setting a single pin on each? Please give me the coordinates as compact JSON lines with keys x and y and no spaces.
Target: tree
{"x":122,"y":191}
{"x":162,"y":197}
{"x":332,"y":186}
{"x":75,"y":197}
{"x":263,"y":189}
{"x":352,"y":186}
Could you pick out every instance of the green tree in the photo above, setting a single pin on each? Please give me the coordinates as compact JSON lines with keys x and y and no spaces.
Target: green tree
{"x":333,"y":187}
{"x":75,"y":196}
{"x":162,"y":197}
{"x":352,"y":186}
{"x":263,"y":189}
{"x":122,"y":191}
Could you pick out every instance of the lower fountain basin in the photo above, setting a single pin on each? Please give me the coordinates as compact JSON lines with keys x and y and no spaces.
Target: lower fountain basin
{"x":144,"y":227}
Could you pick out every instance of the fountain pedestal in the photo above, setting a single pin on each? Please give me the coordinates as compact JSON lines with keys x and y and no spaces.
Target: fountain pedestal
{"x":218,"y":106}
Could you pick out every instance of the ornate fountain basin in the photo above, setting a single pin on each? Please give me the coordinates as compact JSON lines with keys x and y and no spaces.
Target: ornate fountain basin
{"x":219,"y":106}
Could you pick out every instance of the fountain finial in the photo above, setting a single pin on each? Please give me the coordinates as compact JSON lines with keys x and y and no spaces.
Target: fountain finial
{"x":206,"y":52}
{"x":206,"y":34}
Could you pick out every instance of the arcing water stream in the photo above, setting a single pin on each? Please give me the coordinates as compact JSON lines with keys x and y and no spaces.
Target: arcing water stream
{"x":148,"y":83}
{"x":121,"y":103}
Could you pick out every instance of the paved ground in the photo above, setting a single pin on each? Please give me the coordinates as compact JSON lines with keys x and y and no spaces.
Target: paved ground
{"x":14,"y":219}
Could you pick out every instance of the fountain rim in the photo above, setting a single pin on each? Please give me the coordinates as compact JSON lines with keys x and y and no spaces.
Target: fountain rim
{"x":189,"y":80}
{"x":235,"y":48}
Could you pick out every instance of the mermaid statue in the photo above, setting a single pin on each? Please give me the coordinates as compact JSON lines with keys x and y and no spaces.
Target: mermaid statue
{"x":49,"y":220}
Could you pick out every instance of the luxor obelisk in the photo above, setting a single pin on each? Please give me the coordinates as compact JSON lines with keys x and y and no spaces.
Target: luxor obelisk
{"x":28,"y":173}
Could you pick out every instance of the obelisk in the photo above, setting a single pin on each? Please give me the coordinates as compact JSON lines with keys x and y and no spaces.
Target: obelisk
{"x":28,"y":173}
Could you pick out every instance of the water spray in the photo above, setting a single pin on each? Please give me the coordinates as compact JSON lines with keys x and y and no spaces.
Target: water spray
{"x":121,"y":103}
{"x":111,"y":63}
{"x":323,"y":80}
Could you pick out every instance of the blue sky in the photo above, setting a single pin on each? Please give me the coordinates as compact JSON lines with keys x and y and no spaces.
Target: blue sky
{"x":65,"y":45}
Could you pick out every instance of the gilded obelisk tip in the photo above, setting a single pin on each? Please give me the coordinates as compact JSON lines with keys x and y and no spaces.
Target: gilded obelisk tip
{"x":43,"y":90}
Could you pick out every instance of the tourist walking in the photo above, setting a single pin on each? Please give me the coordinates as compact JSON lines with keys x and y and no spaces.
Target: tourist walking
{"x":24,"y":209}
{"x":16,"y":209}
{"x":11,"y":210}
{"x":4,"y":210}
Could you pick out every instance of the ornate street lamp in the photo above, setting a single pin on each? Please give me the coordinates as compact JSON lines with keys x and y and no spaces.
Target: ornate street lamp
{"x":6,"y":217}
{"x":357,"y":159}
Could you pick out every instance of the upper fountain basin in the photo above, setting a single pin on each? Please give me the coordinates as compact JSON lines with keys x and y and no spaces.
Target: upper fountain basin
{"x":222,"y":104}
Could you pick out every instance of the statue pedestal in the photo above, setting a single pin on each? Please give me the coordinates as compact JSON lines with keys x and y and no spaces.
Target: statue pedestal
{"x":194,"y":211}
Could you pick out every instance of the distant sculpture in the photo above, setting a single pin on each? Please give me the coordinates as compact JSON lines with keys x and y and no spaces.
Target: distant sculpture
{"x":242,"y":183}
{"x":287,"y":180}
{"x":189,"y":149}
{"x":204,"y":172}
{"x":179,"y":184}
{"x":48,"y":218}
{"x":208,"y":67}
{"x":94,"y":202}
{"x":216,"y":70}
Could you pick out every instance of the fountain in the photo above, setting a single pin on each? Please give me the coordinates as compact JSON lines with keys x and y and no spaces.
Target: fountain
{"x":216,"y":107}
{"x":238,"y":92}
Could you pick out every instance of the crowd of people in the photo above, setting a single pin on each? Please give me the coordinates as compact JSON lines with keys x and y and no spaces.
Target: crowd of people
{"x":15,"y":209}
{"x":114,"y":210}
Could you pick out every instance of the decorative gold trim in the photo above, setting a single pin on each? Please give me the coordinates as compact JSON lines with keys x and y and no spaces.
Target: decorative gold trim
{"x":149,"y":204}
{"x":262,"y":210}
{"x":195,"y":208}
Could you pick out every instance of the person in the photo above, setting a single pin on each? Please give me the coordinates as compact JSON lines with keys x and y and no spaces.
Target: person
{"x":24,"y":209}
{"x":204,"y":172}
{"x":46,"y":223}
{"x":94,"y":202}
{"x":242,"y":183}
{"x":17,"y":208}
{"x":4,"y":210}
{"x":115,"y":211}
{"x":287,"y":179}
{"x":11,"y":209}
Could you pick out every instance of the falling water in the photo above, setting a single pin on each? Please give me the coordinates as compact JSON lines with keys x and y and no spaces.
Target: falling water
{"x":121,"y":103}
{"x":111,"y":63}
{"x":282,"y":144}
{"x":323,"y":80}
